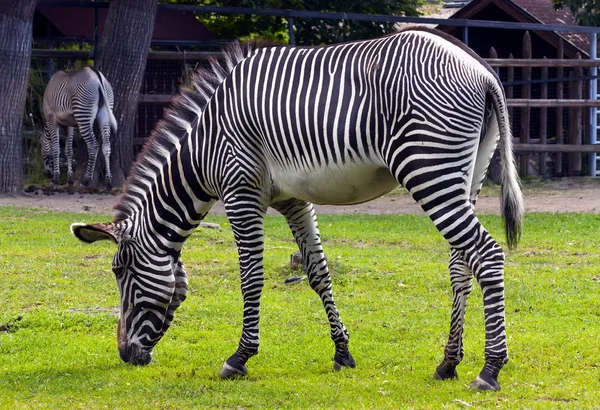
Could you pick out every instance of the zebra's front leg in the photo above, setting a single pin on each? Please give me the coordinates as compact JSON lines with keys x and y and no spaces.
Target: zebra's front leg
{"x":247,"y":223}
{"x":302,"y":220}
{"x":69,"y":152}
{"x":487,"y":264}
{"x":461,"y":280}
{"x":55,"y":148}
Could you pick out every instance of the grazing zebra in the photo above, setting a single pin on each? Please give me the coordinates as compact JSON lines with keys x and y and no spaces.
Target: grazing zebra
{"x":290,"y":126}
{"x":77,"y":99}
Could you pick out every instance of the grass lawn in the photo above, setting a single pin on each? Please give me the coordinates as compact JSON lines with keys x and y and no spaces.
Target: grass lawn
{"x":58,"y":347}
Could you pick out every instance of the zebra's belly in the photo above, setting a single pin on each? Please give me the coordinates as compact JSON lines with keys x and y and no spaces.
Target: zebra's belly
{"x":65,"y":118}
{"x":339,"y":185}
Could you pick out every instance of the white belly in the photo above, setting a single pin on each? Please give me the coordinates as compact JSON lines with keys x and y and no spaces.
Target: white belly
{"x":346,"y":184}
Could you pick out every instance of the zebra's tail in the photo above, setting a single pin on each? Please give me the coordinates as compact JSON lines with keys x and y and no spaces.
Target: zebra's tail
{"x":105,"y":99}
{"x":511,"y":205}
{"x":111,"y":117}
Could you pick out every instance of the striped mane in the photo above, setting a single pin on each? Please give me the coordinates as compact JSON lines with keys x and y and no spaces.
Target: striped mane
{"x":184,"y":110}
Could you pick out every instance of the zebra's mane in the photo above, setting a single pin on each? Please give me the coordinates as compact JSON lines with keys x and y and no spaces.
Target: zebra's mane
{"x":183,"y":110}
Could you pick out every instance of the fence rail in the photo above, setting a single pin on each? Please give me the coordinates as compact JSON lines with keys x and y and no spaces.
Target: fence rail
{"x":152,"y":55}
{"x":512,"y":102}
{"x":552,"y":101}
{"x":557,"y":148}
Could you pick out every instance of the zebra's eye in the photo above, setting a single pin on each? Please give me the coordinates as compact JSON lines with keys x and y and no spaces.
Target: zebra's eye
{"x":119,"y":270}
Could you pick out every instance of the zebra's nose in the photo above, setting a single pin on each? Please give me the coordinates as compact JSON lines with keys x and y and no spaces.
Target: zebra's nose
{"x":139,"y":355}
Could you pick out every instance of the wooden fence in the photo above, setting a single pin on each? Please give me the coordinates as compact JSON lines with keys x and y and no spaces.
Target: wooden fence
{"x":550,"y":133}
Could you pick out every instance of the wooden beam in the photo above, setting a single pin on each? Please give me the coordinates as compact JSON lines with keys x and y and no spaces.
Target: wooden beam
{"x":512,"y":102}
{"x":579,"y":103}
{"x":152,"y":55}
{"x":550,"y":62}
{"x":184,"y":55}
{"x":556,"y":148}
{"x":155,"y":98}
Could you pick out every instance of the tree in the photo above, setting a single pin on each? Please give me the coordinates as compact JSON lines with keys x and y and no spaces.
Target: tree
{"x":122,"y":56}
{"x":587,"y":12}
{"x":16,"y":28}
{"x":316,"y":32}
{"x":307,"y":31}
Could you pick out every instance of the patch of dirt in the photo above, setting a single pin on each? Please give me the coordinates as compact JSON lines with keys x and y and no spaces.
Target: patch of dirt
{"x":565,"y":195}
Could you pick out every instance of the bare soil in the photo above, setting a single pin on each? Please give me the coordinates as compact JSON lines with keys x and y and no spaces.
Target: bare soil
{"x":565,"y":195}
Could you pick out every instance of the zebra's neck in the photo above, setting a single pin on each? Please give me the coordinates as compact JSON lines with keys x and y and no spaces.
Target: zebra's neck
{"x":167,"y":201}
{"x":168,"y":191}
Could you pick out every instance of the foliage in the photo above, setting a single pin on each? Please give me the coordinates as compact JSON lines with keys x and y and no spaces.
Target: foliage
{"x":587,"y":12}
{"x":307,"y":31}
{"x":58,"y":347}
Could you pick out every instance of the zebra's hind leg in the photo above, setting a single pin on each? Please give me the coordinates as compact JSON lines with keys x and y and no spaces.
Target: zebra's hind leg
{"x":487,"y":263}
{"x":69,"y":152}
{"x":106,"y":153}
{"x":484,"y":257}
{"x":87,"y":133}
{"x":461,"y":279}
{"x":302,"y":220}
{"x":246,"y":216}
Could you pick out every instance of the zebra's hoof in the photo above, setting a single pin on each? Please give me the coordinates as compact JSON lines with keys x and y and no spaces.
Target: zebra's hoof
{"x":108,"y":187}
{"x":85,"y":182}
{"x":232,"y":372}
{"x":480,"y":384}
{"x":345,"y":360}
{"x":445,"y":372}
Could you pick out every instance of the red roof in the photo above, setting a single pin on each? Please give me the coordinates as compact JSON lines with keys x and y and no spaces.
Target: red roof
{"x":169,"y":24}
{"x":533,"y":11}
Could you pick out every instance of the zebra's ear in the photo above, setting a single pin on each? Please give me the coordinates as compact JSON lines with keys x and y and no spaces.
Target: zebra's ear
{"x":95,"y":232}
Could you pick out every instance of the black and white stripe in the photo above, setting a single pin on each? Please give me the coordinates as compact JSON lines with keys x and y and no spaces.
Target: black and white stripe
{"x":77,"y":99}
{"x":290,"y":126}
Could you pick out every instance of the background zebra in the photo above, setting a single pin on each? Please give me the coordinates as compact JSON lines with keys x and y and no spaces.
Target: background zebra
{"x":290,"y":126}
{"x":77,"y":99}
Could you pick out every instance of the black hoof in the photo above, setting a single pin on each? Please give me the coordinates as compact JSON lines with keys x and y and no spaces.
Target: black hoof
{"x":343,"y":360}
{"x":108,"y":187}
{"x":485,"y":381}
{"x":232,"y":369}
{"x":445,"y":371}
{"x":85,"y":182}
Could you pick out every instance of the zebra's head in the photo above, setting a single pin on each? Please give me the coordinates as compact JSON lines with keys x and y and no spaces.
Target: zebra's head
{"x":152,"y":286}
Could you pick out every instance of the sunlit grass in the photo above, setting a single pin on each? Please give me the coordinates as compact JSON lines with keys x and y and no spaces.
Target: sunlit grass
{"x":58,"y":345}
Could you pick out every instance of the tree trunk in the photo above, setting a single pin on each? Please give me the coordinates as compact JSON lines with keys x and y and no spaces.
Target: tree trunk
{"x":16,"y":28}
{"x":122,"y":56}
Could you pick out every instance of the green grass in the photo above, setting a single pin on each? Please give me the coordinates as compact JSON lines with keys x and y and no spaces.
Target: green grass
{"x":58,"y":348}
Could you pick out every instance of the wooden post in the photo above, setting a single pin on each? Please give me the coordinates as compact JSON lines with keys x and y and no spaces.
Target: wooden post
{"x":575,"y":117}
{"x":525,"y":111}
{"x":493,"y":54}
{"x":495,"y":169}
{"x":509,"y":89}
{"x":544,"y":122}
{"x":560,"y":72}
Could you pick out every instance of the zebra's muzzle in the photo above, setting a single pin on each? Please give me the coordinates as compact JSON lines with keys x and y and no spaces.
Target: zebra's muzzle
{"x":135,"y":354}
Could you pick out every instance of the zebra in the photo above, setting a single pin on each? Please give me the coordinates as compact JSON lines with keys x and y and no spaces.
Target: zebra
{"x":289,"y":127}
{"x":77,"y":99}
